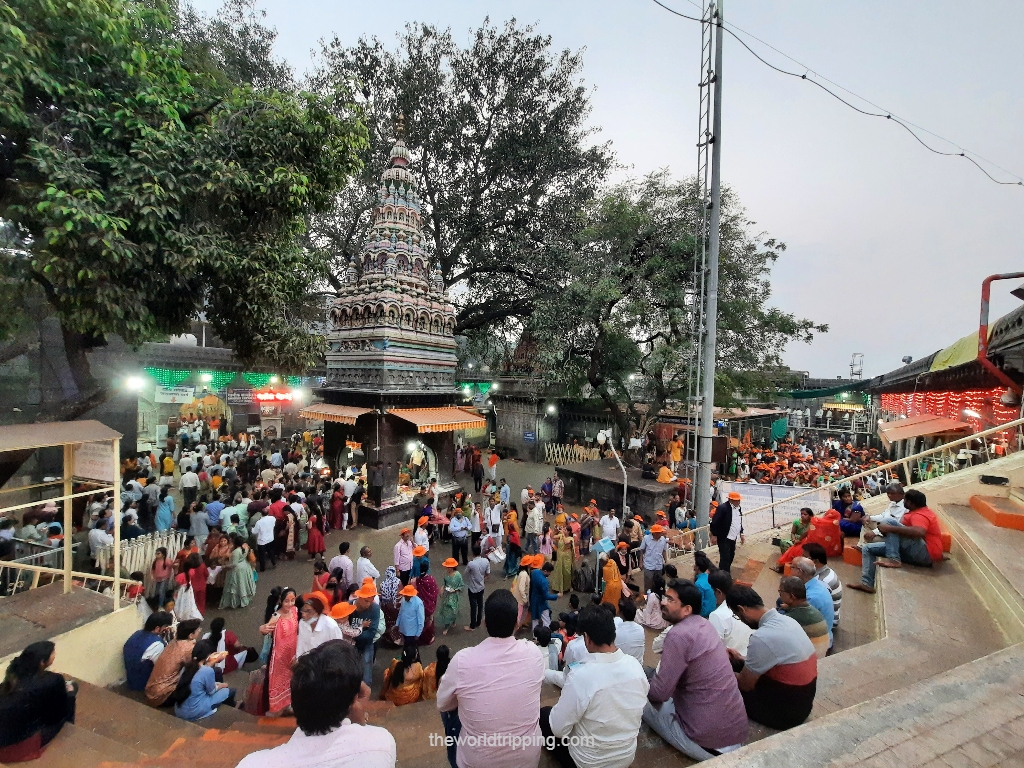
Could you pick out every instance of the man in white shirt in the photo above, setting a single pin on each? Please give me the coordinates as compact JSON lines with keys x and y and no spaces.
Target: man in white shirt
{"x":609,"y":525}
{"x":493,"y":520}
{"x":99,"y":538}
{"x":330,"y":702}
{"x":365,"y":568}
{"x":734,"y":633}
{"x":189,"y":487}
{"x":343,"y":561}
{"x":629,"y":636}
{"x":315,"y":626}
{"x":264,"y":532}
{"x":601,"y":703}
{"x":892,"y":514}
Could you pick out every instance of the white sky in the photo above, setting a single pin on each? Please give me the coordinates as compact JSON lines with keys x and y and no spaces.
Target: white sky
{"x":887,"y":243}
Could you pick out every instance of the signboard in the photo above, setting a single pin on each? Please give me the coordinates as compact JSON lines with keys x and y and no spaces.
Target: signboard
{"x":786,"y":508}
{"x":94,"y":461}
{"x":175,"y":394}
{"x":529,"y":437}
{"x":269,"y":410}
{"x":270,"y":397}
{"x":240,"y":396}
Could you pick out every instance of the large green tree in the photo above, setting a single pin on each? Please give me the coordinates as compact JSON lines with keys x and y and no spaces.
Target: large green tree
{"x":501,"y":145}
{"x":619,"y":329}
{"x":138,"y":193}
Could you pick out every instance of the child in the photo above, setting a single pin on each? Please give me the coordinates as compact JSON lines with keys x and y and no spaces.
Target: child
{"x":546,"y":542}
{"x":566,"y":635}
{"x":553,"y":645}
{"x":135,"y":591}
{"x":162,"y":572}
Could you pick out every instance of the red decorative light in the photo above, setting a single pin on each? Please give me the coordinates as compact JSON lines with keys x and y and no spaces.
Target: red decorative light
{"x":952,"y":404}
{"x":268,"y":396}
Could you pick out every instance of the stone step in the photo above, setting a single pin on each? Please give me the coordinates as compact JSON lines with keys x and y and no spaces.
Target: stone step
{"x":79,"y":747}
{"x":1000,"y":511}
{"x":150,"y":731}
{"x":973,"y":715}
{"x":990,"y":558}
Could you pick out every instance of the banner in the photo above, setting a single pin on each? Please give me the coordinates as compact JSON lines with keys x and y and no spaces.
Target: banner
{"x":175,"y":394}
{"x":240,"y":396}
{"x":786,"y":508}
{"x":94,"y":461}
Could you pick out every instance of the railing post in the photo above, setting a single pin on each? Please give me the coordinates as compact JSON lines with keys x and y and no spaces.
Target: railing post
{"x":116,"y":467}
{"x":906,"y":473}
{"x":68,"y":473}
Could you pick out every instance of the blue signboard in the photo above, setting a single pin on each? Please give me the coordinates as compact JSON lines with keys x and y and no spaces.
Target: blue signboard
{"x":529,"y":437}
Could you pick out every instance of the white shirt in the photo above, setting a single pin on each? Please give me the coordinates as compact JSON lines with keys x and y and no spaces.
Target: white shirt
{"x":421,"y":539}
{"x":98,"y":538}
{"x":152,"y":653}
{"x":189,"y":480}
{"x":734,"y":633}
{"x":348,"y":488}
{"x":345,"y":563}
{"x":630,"y":637}
{"x":736,"y":525}
{"x":894,"y":510}
{"x":264,"y":529}
{"x":365,"y":568}
{"x":318,"y":632}
{"x":609,"y":526}
{"x":494,"y":517}
{"x":348,"y":746}
{"x":601,"y":705}
{"x":575,"y":651}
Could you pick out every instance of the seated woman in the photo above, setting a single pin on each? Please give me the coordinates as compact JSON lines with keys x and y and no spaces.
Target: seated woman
{"x":801,"y":527}
{"x":403,"y":680}
{"x":34,"y":704}
{"x":198,"y":693}
{"x":665,"y":475}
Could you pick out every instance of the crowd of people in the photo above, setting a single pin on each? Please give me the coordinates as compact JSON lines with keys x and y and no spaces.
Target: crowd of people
{"x":724,"y":657}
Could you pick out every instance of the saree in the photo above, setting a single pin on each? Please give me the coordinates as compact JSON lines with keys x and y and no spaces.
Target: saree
{"x":561,"y":578}
{"x":409,"y":691}
{"x":282,"y":653}
{"x":427,"y":588}
{"x":239,"y":585}
{"x":449,"y":612}
{"x":612,"y":585}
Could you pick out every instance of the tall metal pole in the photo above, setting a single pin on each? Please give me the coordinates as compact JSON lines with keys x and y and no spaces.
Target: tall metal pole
{"x":702,"y":493}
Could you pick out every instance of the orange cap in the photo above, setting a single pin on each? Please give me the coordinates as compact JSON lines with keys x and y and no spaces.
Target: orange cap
{"x":451,"y":562}
{"x":657,"y":529}
{"x":593,"y":501}
{"x":734,"y":496}
{"x":637,"y":517}
{"x":342,"y":610}
{"x":320,"y":597}
{"x":408,"y":591}
{"x":419,"y":551}
{"x":366,"y":591}
{"x":422,"y":520}
{"x":622,"y":545}
{"x":404,"y":531}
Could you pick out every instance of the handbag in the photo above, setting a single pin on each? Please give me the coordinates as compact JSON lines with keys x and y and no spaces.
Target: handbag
{"x":496,"y":556}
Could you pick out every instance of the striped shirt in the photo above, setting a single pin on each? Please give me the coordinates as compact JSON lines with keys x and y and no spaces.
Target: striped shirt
{"x":830,"y":579}
{"x":814,"y":626}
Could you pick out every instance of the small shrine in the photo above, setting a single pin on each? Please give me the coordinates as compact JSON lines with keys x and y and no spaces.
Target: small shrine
{"x":391,"y":358}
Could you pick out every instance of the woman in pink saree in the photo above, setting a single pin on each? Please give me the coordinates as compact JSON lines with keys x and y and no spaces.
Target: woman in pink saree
{"x":284,"y":630}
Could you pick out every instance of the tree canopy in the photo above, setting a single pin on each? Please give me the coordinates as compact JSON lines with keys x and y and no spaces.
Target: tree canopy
{"x":139,"y":194}
{"x":507,"y":162}
{"x":619,"y":327}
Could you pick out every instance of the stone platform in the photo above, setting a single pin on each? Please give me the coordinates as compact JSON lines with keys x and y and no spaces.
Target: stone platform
{"x":44,"y":613}
{"x":602,"y":480}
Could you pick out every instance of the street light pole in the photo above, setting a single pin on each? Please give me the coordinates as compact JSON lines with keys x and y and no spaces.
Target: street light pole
{"x":702,"y":493}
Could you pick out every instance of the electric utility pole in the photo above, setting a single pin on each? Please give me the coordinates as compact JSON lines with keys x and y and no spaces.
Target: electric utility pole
{"x":705,"y":427}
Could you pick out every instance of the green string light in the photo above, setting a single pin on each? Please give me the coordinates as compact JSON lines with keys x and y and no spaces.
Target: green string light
{"x":167,"y":377}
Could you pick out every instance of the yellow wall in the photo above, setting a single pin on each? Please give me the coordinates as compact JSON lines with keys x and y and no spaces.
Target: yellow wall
{"x":92,"y":652}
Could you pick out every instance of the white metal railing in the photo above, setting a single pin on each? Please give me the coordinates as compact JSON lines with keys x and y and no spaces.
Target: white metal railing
{"x":138,"y":554}
{"x":569,"y":454}
{"x":20,"y":577}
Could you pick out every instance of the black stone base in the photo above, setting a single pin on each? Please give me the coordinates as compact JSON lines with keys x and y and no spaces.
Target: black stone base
{"x":602,"y":480}
{"x":386,"y":516}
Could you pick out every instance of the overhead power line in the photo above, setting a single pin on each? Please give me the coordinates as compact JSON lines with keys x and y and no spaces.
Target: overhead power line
{"x":809,"y":76}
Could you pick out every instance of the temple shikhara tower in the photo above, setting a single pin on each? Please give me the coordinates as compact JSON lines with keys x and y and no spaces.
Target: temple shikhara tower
{"x":391,"y":354}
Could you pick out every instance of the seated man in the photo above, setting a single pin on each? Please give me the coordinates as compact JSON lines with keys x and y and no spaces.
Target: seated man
{"x":694,"y":703}
{"x":852,"y":512}
{"x":916,"y":540}
{"x":733,"y":632}
{"x":597,"y":718}
{"x":665,"y":474}
{"x":330,"y":702}
{"x":793,"y":603}
{"x":143,"y":648}
{"x":779,"y":676}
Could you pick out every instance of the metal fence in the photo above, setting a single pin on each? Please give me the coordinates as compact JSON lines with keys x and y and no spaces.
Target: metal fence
{"x":138,"y":554}
{"x":569,"y":454}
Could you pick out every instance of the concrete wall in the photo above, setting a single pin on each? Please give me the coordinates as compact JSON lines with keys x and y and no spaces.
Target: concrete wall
{"x":92,"y":652}
{"x":516,"y":417}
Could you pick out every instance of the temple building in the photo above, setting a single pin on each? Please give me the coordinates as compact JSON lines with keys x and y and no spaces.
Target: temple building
{"x":391,"y":358}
